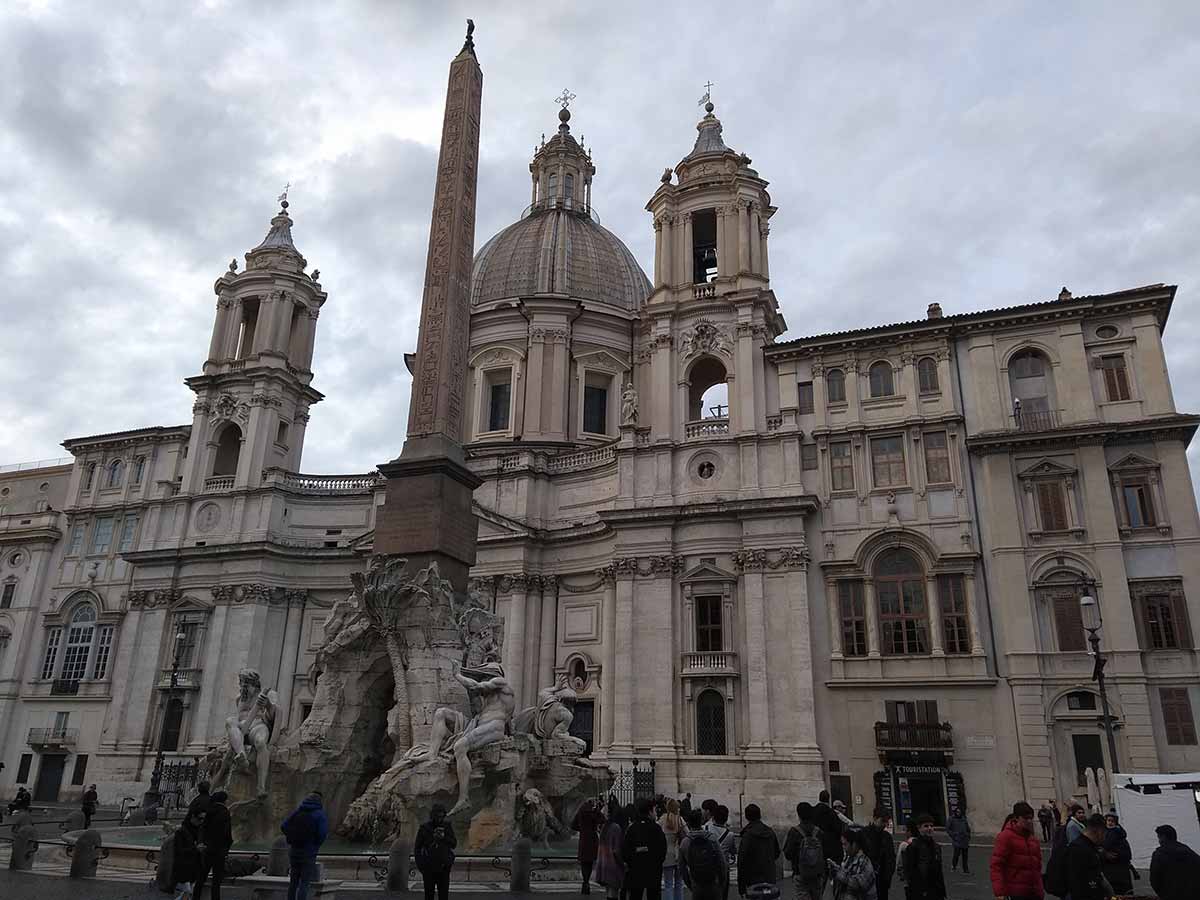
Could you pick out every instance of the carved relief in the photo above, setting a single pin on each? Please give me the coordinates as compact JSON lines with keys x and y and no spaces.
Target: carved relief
{"x":705,"y":337}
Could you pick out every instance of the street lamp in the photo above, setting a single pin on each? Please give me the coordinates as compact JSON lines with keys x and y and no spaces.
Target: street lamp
{"x":1089,"y":611}
{"x":152,"y":798}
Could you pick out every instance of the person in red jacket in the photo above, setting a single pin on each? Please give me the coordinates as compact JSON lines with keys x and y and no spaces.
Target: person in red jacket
{"x":1017,"y":858}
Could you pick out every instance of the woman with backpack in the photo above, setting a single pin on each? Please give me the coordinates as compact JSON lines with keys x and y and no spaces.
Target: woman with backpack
{"x":673,"y":827}
{"x":610,"y":868}
{"x":434,"y":852}
{"x":854,"y":877}
{"x":804,"y":850}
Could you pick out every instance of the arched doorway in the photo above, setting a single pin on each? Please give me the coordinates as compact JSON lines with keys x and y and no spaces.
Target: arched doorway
{"x":229,"y":450}
{"x":710,"y":724}
{"x":708,"y":394}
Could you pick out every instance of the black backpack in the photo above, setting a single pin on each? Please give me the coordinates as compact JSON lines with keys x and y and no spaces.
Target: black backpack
{"x":705,"y":861}
{"x":809,"y":861}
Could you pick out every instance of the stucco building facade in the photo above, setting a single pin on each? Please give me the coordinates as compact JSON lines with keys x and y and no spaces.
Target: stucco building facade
{"x":767,"y":564}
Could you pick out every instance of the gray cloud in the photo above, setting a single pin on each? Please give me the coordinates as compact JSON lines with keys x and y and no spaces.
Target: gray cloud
{"x":916,"y":153}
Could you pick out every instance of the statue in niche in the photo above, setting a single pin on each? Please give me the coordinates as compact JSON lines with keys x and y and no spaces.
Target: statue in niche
{"x":629,"y":405}
{"x":552,"y":717}
{"x":249,"y":730}
{"x":453,"y":734}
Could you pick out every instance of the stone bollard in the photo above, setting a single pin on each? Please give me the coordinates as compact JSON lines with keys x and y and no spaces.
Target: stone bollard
{"x":164,"y":877}
{"x":76,"y":821}
{"x":85,"y":855}
{"x":22,"y":819}
{"x":398,"y":856}
{"x":24,"y":847}
{"x":521,"y":861}
{"x":278,"y":864}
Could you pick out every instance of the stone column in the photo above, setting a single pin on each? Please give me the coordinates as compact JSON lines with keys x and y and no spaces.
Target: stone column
{"x":291,"y":650}
{"x":268,"y":315}
{"x":533,"y":641}
{"x":514,"y":637}
{"x":722,"y":243}
{"x":755,"y":251}
{"x":308,"y":321}
{"x":623,"y":724}
{"x":608,"y":672}
{"x":853,"y":392}
{"x":533,"y":383}
{"x":224,"y":312}
{"x":820,"y":394}
{"x":973,"y":614}
{"x":872,"y":610}
{"x":233,"y":331}
{"x":936,"y":637}
{"x":835,"y":619}
{"x":764,"y":233}
{"x":756,"y":663}
{"x":556,"y":428}
{"x":658,"y":253}
{"x":799,"y":660}
{"x":548,"y":643}
{"x":668,"y":261}
{"x":686,"y":257}
{"x":743,"y":242}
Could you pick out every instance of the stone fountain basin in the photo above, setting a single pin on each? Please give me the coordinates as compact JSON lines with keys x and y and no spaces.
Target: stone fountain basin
{"x":136,"y":848}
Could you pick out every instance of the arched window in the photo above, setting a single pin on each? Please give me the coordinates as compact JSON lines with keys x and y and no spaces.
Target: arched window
{"x":710,"y":724}
{"x":1030,"y":381}
{"x":139,"y":470}
{"x":903,"y":612}
{"x":835,"y":385}
{"x":79,"y":643}
{"x":927,"y":375}
{"x":569,"y":186}
{"x":229,"y":448}
{"x":114,"y":474}
{"x":880,"y":376}
{"x":85,"y":652}
{"x":708,"y":393}
{"x":552,"y":185}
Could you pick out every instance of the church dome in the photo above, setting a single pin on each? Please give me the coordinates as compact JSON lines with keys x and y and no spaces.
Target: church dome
{"x":555,"y":250}
{"x":559,"y":246}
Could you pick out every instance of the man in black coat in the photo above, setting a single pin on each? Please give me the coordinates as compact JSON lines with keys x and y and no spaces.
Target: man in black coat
{"x":881,"y":850}
{"x":1085,"y":877}
{"x":831,"y":827}
{"x":1174,"y":867}
{"x":923,"y":874}
{"x":201,"y":800}
{"x":643,"y":849}
{"x":758,"y":850}
{"x":218,"y":838}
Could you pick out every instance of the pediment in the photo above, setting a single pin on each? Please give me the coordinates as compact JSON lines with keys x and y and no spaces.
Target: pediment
{"x":188,"y":603}
{"x":707,"y":572}
{"x":1134,"y":461}
{"x":602,"y":359}
{"x":1047,"y":468}
{"x":494,"y":525}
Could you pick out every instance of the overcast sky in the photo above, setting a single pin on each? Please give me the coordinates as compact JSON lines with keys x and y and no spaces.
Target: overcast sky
{"x":917,"y":152}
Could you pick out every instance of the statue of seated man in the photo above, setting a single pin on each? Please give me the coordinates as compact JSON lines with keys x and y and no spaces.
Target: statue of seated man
{"x":251,"y":728}
{"x":453,"y":733}
{"x":552,"y":717}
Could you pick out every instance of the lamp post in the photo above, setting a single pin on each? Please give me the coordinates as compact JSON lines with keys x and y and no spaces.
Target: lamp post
{"x":152,"y":797}
{"x":1092,"y":620}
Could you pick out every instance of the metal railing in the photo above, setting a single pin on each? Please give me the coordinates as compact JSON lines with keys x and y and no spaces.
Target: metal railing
{"x":218,"y":483}
{"x":63,"y":737}
{"x":774,"y":422}
{"x":898,"y":736}
{"x":695,"y":661}
{"x":188,"y":678}
{"x":706,"y":427}
{"x":65,"y":686}
{"x":38,"y":464}
{"x":1035,"y":420}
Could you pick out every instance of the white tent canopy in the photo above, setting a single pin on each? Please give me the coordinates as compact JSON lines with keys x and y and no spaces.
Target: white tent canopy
{"x":1174,"y":803}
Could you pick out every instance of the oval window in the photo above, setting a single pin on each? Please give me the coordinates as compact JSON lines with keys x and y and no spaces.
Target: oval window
{"x":1107,"y":331}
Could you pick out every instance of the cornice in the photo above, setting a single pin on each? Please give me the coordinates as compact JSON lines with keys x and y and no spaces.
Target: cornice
{"x":1180,"y":427}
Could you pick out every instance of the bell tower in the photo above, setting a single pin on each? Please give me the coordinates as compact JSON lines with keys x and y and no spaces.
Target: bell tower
{"x":253,"y":397}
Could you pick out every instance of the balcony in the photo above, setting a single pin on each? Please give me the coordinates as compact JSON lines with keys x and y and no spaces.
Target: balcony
{"x":704,"y":291}
{"x":218,"y":483}
{"x":897,"y":736}
{"x":188,"y":680}
{"x":709,"y":662}
{"x":706,"y":427}
{"x":53,"y":737}
{"x":1035,"y":420}
{"x":65,"y":687}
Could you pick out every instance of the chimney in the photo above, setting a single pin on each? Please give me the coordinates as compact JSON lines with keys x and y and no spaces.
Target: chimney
{"x":934,"y":311}
{"x":1064,"y":294}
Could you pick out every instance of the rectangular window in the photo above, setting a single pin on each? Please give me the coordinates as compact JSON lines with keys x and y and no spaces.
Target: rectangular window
{"x":128,"y":529}
{"x":1068,"y":623}
{"x":1165,"y":624}
{"x":103,"y":650}
{"x":835,"y":386}
{"x":281,"y":433}
{"x":595,"y":410}
{"x":80,"y":772}
{"x":102,"y":535}
{"x":854,"y":618}
{"x":53,"y":639}
{"x":808,"y":456}
{"x":23,"y":768}
{"x":952,"y":597}
{"x":76,"y":540}
{"x":887,"y":461}
{"x":1052,"y":506}
{"x":708,"y":624}
{"x":841,"y":466}
{"x":805,"y":405}
{"x":189,"y":647}
{"x":937,"y":458}
{"x":1116,"y":378}
{"x":61,"y":721}
{"x":903,"y":621}
{"x":1177,"y":715}
{"x":10,"y":591}
{"x":1139,"y":504}
{"x":499,"y":397}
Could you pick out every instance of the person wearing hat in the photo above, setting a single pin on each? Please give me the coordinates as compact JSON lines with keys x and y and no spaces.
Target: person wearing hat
{"x":839,"y":809}
{"x":1016,"y":867}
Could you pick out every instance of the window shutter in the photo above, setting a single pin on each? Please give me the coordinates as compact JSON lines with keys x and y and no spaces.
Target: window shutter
{"x":1177,"y":716}
{"x":1183,"y":626}
{"x":889,"y":707}
{"x":1050,"y":502}
{"x":927,"y":712}
{"x":1068,"y":622}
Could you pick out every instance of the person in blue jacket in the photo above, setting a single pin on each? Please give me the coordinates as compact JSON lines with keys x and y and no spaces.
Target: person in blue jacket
{"x":305,"y":829}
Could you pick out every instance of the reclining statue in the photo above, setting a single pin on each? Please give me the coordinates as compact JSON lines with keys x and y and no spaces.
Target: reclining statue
{"x":552,"y":717}
{"x":250,"y":729}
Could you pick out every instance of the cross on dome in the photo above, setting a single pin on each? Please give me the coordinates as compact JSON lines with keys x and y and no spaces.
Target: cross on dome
{"x":564,"y":99}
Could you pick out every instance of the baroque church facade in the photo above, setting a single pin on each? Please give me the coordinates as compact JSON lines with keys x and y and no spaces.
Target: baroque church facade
{"x":860,"y":567}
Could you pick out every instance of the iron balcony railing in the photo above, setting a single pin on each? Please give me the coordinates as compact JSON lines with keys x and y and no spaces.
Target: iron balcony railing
{"x":62,"y":737}
{"x":1035,"y":420}
{"x":65,"y":686}
{"x":897,"y":736}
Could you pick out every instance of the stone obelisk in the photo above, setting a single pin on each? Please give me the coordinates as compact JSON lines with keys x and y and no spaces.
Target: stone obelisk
{"x":427,"y":513}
